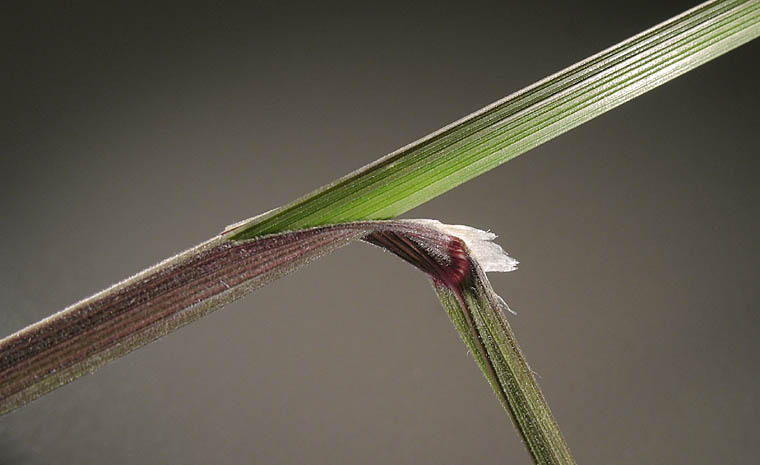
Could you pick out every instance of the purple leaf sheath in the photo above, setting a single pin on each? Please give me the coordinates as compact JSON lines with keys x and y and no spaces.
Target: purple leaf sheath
{"x":140,"y":309}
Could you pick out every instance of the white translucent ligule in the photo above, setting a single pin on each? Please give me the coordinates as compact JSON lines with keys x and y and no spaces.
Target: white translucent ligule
{"x":489,"y":255}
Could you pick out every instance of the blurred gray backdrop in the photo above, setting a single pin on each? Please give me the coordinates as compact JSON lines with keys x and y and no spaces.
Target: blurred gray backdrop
{"x":131,"y":133}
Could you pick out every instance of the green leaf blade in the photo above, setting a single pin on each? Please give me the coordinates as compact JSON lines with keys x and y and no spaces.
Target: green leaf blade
{"x":502,"y":131}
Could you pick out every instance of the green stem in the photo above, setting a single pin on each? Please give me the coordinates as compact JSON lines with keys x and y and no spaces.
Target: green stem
{"x":478,"y":315}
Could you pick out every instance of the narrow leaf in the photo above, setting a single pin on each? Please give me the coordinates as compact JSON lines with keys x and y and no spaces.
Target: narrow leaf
{"x":503,"y":130}
{"x":252,"y":253}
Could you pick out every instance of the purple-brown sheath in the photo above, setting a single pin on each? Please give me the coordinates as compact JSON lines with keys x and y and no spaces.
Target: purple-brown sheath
{"x":140,"y":309}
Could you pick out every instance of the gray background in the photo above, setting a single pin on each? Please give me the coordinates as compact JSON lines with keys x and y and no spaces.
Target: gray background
{"x":130,"y":134}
